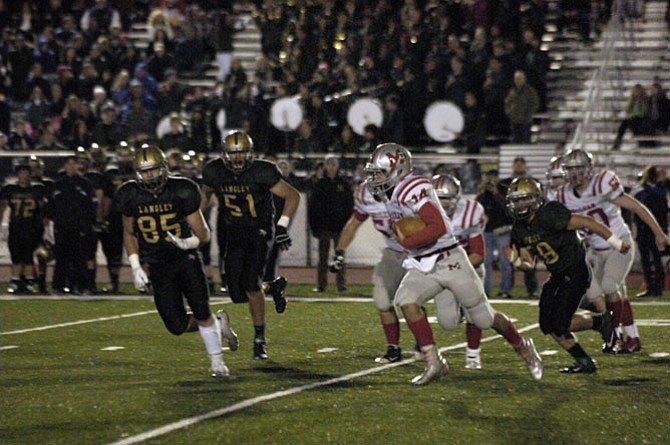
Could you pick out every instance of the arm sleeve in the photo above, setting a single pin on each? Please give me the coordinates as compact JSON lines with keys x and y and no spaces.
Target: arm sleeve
{"x":435,"y":227}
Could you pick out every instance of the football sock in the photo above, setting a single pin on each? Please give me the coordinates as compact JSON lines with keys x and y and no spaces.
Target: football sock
{"x":259,"y":331}
{"x":628,"y":321}
{"x":422,"y":332}
{"x":392,"y":331}
{"x":472,"y":352}
{"x":474,"y":335}
{"x":597,"y":322}
{"x":211,"y":335}
{"x":578,"y":352}
{"x":512,"y":335}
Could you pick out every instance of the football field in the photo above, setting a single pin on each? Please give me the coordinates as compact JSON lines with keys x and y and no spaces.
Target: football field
{"x":106,"y":371}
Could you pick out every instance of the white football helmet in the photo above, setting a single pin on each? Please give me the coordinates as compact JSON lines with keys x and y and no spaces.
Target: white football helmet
{"x":448,"y":189}
{"x":578,"y":165}
{"x":388,"y":165}
{"x":524,"y":197}
{"x":555,"y":173}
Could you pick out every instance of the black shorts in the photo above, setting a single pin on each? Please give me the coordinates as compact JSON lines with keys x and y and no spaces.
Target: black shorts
{"x":561,"y":296}
{"x":246,"y":256}
{"x":175,"y":280}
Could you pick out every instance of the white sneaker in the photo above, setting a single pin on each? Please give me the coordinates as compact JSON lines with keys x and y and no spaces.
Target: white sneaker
{"x":227,"y":330}
{"x":529,"y":354}
{"x":219,"y":369}
{"x":436,"y":366}
{"x":472,"y":359}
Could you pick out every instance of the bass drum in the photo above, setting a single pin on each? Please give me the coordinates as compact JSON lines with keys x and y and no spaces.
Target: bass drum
{"x":443,"y":121}
{"x":364,"y":111}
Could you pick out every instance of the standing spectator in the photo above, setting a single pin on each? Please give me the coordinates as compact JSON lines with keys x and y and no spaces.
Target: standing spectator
{"x":496,"y":233}
{"x":159,"y":62}
{"x":26,"y":201}
{"x":245,"y":187}
{"x":175,"y":267}
{"x":549,"y":231}
{"x":330,"y":205}
{"x":636,"y":115}
{"x":655,"y":198}
{"x":393,"y":126}
{"x":224,"y":42}
{"x":521,"y":103}
{"x":659,"y":108}
{"x":472,"y":137}
{"x":536,"y":65}
{"x":71,"y":208}
{"x":519,"y":170}
{"x":495,"y":88}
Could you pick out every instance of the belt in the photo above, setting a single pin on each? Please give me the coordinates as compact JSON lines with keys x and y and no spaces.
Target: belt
{"x":434,"y":252}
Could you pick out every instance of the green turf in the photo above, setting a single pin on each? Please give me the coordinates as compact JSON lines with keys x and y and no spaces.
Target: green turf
{"x":60,"y":387}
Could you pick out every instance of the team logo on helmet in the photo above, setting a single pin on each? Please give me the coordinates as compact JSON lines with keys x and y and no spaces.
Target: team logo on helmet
{"x":388,"y":165}
{"x":524,"y":197}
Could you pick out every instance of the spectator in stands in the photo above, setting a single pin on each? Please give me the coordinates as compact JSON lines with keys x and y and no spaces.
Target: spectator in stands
{"x":175,"y":138}
{"x":237,"y":77}
{"x":637,"y":115}
{"x":223,"y":42}
{"x":99,"y":99}
{"x":105,"y":17}
{"x":472,"y":137}
{"x":393,"y":126}
{"x":136,"y":116}
{"x":20,"y":139}
{"x":36,"y":79}
{"x":48,"y":140}
{"x":147,"y":80}
{"x":45,"y":56}
{"x":129,"y":58}
{"x":521,"y":103}
{"x":655,"y":197}
{"x":107,"y":132}
{"x":20,"y":57}
{"x":370,"y":141}
{"x":38,"y":108}
{"x":80,"y":136}
{"x":88,"y":79}
{"x":159,"y":62}
{"x":536,"y":64}
{"x":659,"y":108}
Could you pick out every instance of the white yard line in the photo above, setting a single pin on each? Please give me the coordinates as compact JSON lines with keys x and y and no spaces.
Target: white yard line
{"x":183,"y":423}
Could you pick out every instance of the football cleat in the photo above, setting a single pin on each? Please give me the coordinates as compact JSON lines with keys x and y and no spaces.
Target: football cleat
{"x":219,"y":368}
{"x":615,"y":346}
{"x":436,"y":367}
{"x":530,"y":356}
{"x":582,"y":366}
{"x":260,"y":349}
{"x":227,"y":330}
{"x":276,"y":288}
{"x":473,"y":359}
{"x":632,"y":345}
{"x":393,"y":354}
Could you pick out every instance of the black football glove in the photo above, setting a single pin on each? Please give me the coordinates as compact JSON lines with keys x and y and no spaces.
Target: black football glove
{"x":282,"y":240}
{"x":338,"y":261}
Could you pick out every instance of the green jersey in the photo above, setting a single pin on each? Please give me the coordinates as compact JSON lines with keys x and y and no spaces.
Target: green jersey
{"x":245,"y":198}
{"x":548,"y":238}
{"x":156,"y":215}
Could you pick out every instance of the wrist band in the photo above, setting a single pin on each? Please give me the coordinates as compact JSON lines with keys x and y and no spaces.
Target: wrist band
{"x":517,"y":262}
{"x":192,"y":242}
{"x":283,"y":221}
{"x":615,"y":242}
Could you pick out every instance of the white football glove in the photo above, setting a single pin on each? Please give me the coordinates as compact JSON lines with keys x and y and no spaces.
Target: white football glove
{"x":140,"y":278}
{"x":190,"y":243}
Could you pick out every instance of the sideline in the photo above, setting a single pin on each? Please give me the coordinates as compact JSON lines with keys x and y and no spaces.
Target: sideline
{"x":183,"y":423}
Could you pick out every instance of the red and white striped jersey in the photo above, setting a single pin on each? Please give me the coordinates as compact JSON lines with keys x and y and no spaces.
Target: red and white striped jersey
{"x":365,"y":205}
{"x":468,"y":221}
{"x":412,"y":193}
{"x":596,"y":201}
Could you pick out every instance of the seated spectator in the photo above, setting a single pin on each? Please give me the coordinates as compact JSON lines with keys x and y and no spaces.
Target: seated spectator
{"x":38,"y":108}
{"x":175,"y":138}
{"x":80,"y":136}
{"x":659,"y":108}
{"x":107,"y":132}
{"x":20,"y":138}
{"x":49,"y":141}
{"x":159,"y":62}
{"x":637,"y":115}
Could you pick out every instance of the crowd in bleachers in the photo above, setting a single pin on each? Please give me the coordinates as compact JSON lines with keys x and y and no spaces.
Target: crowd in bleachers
{"x":71,"y":74}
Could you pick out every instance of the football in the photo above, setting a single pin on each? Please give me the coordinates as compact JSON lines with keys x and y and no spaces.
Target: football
{"x":409,"y":225}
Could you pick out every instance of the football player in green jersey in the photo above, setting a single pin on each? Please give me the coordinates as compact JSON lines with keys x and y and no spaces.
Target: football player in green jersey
{"x":244,"y":187}
{"x":163,"y":223}
{"x":549,"y":231}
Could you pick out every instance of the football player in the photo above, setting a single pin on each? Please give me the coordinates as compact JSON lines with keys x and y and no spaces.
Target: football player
{"x":601,"y":196}
{"x":467,"y":221}
{"x":549,"y":231}
{"x":244,"y":187}
{"x":437,"y":266}
{"x":388,"y":272}
{"x":555,"y":178}
{"x":26,"y":201}
{"x":163,"y":223}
